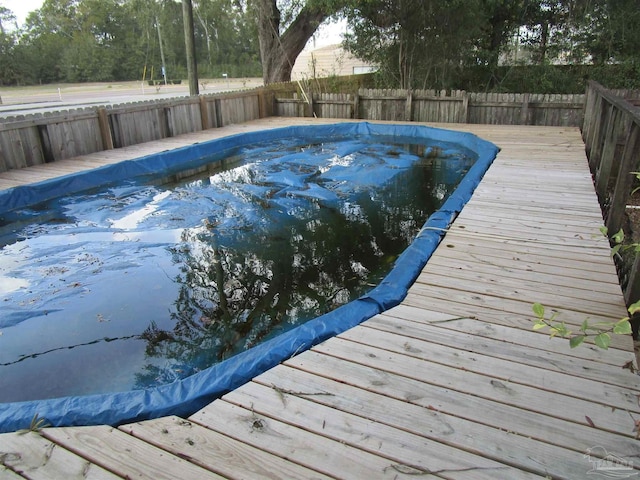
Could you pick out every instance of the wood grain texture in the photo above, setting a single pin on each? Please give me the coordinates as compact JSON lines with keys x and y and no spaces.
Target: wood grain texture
{"x":451,"y":383}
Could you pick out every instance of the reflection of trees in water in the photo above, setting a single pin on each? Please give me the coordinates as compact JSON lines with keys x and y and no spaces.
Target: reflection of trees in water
{"x":237,"y":287}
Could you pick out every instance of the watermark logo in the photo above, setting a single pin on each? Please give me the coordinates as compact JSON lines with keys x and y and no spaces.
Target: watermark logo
{"x":608,"y":464}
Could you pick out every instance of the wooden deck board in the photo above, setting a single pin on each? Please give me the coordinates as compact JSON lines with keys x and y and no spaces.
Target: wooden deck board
{"x":492,"y":347}
{"x":518,"y":336}
{"x":331,"y":417}
{"x":406,"y":404}
{"x":453,"y":382}
{"x":504,"y":405}
{"x":38,"y":458}
{"x":124,"y":455}
{"x":215,"y":451}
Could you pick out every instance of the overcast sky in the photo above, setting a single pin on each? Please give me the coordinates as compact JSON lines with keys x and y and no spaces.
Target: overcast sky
{"x":21,"y":8}
{"x":325,"y":36}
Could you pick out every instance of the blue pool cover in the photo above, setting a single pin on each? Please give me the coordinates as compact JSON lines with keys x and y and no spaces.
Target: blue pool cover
{"x":184,"y":397}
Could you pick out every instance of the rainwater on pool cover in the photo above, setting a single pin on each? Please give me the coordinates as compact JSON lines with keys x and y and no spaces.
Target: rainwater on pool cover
{"x":142,"y":283}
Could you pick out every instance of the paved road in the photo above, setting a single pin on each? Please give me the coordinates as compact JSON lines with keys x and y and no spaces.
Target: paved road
{"x":30,"y":100}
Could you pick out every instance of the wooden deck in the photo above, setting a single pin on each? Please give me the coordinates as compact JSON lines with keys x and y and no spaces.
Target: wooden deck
{"x":452,"y":383}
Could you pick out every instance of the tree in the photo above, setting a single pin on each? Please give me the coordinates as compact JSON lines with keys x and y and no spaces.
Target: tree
{"x":226,"y":38}
{"x":282,"y":34}
{"x":608,"y":31}
{"x":7,"y":47}
{"x":500,"y":20}
{"x":415,"y":39}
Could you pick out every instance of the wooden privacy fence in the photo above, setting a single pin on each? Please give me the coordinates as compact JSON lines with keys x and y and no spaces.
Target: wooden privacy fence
{"x":611,"y":133}
{"x":42,"y":138}
{"x":29,"y":140}
{"x":437,"y":106}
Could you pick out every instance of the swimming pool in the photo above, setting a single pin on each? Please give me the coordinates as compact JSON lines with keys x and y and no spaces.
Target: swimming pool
{"x":282,"y":193}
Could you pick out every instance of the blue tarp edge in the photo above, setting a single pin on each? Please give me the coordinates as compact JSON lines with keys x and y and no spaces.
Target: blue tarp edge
{"x":184,"y":397}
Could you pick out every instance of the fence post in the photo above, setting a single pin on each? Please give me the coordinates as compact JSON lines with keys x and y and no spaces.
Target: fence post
{"x":464,"y":111}
{"x":218,"y":112}
{"x":261,"y":104}
{"x":524,"y":109}
{"x":356,"y":105}
{"x":407,"y":107}
{"x":312,"y":114}
{"x":204,"y":115}
{"x":168,"y":120}
{"x":105,"y":129}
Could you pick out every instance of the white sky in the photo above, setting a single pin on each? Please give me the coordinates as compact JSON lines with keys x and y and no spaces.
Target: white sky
{"x":326,"y":35}
{"x":21,"y":8}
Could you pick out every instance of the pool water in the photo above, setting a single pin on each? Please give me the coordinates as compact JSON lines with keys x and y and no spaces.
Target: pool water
{"x":142,"y":283}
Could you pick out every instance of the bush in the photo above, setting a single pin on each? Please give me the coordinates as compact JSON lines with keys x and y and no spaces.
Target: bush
{"x":537,"y":78}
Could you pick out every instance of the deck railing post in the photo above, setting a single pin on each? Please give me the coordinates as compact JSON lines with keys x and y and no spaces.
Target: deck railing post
{"x":600,"y":116}
{"x":587,"y":121}
{"x":625,"y":180}
{"x":609,"y":165}
{"x":632,"y":290}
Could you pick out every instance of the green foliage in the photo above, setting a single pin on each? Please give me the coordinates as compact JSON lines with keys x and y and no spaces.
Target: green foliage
{"x":546,"y":78}
{"x":415,"y":42}
{"x":453,"y":44}
{"x":544,"y":47}
{"x":599,"y":331}
{"x":637,"y":174}
{"x":111,"y":40}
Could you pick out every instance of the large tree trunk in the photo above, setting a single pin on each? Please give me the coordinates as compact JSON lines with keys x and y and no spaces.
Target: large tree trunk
{"x":279,"y":52}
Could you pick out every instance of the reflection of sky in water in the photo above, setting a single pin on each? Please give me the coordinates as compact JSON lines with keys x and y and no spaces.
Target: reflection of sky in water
{"x":131,"y":220}
{"x":138,"y":285}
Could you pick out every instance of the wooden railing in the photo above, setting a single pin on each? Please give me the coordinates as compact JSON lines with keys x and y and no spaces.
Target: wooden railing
{"x":611,"y":133}
{"x":437,"y":106}
{"x":29,"y":140}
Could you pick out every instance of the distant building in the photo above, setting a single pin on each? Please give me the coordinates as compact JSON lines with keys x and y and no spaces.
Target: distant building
{"x":328,"y":61}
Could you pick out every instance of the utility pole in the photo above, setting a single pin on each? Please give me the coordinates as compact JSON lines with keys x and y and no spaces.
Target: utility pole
{"x":164,"y":67}
{"x":189,"y":42}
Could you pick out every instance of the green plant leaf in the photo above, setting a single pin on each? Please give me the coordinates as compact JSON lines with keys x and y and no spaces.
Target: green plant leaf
{"x":623,"y":327}
{"x":562,"y":330}
{"x":539,"y":325}
{"x":615,"y":249}
{"x":637,"y":174}
{"x":604,"y":230}
{"x":634,"y":308}
{"x":618,"y":237}
{"x":585,"y":326}
{"x":538,"y":309}
{"x":577,"y":340}
{"x":603,"y":340}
